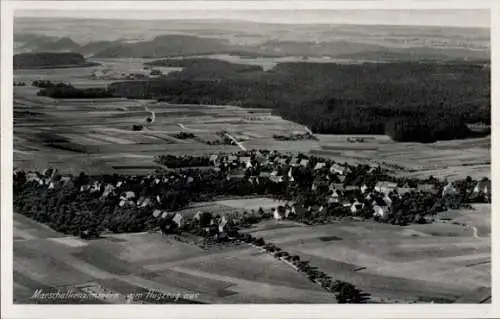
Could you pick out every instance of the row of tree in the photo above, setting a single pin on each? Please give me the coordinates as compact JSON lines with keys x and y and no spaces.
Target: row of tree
{"x":44,"y":84}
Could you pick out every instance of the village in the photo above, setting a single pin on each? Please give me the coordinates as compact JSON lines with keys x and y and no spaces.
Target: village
{"x":310,"y":189}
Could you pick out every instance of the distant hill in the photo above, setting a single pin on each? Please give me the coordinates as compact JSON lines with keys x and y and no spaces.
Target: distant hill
{"x":417,"y":54}
{"x":94,"y":47}
{"x":163,"y":46}
{"x":42,"y":60}
{"x":35,"y":42}
{"x":156,"y":39}
{"x":318,"y":49}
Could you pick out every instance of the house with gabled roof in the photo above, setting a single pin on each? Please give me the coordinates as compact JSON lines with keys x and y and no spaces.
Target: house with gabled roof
{"x":319,"y":165}
{"x":279,"y":212}
{"x":304,"y":162}
{"x":356,"y":206}
{"x":214,"y":159}
{"x":449,"y":189}
{"x":363,"y":188}
{"x":276,"y":179}
{"x":404,"y":190}
{"x":294,"y":161}
{"x":483,"y":186}
{"x":178,"y":219}
{"x":244,"y":159}
{"x":381,"y":212}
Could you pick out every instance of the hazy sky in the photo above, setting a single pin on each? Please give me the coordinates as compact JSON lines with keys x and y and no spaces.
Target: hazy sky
{"x":457,"y":18}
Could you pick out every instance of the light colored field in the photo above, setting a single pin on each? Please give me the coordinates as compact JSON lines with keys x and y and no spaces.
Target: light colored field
{"x":397,"y":266}
{"x":126,"y":263}
{"x":253,"y":203}
{"x":71,"y":242}
{"x":444,"y":159}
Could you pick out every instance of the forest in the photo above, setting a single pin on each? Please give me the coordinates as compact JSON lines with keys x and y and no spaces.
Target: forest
{"x":65,"y":92}
{"x":338,"y":98}
{"x":49,"y":60}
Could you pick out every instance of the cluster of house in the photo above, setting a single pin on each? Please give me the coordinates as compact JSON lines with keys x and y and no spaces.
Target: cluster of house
{"x":126,"y":188}
{"x":329,"y":181}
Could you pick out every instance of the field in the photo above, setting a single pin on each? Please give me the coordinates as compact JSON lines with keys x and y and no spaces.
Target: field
{"x":442,"y":263}
{"x":125,"y":264}
{"x":76,"y":135}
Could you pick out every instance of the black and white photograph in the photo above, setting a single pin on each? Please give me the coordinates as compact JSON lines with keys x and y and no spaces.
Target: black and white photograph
{"x":248,"y":154}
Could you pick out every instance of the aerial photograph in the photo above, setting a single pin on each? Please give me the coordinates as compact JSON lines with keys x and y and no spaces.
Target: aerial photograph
{"x":251,"y":157}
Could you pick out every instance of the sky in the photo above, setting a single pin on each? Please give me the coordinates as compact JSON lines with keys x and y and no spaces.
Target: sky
{"x":449,"y":17}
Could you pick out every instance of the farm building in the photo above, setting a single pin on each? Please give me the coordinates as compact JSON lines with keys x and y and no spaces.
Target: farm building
{"x":385,"y":187}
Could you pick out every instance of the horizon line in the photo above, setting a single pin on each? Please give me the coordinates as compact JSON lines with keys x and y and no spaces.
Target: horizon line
{"x":255,"y":22}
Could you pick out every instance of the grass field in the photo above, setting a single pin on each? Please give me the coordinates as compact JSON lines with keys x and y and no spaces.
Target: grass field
{"x":440,"y":263}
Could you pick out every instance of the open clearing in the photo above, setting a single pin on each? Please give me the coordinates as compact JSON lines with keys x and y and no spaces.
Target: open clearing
{"x":442,"y":262}
{"x":96,"y":135}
